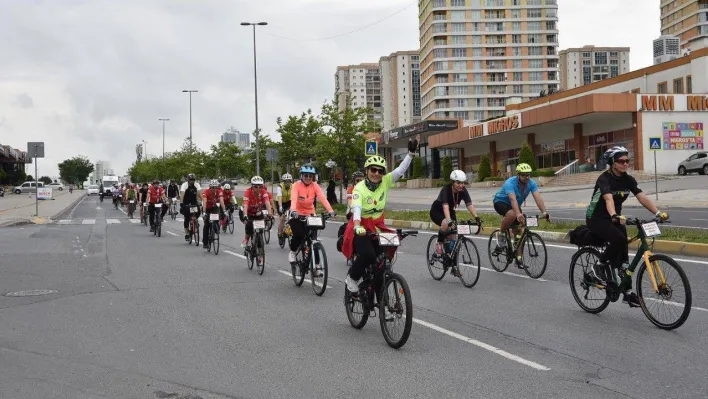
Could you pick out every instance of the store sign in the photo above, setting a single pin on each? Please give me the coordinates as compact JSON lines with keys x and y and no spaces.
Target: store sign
{"x":674,"y":102}
{"x":601,"y":139}
{"x":513,"y":153}
{"x":44,"y":193}
{"x":476,"y":131}
{"x":504,"y":124}
{"x":683,"y":136}
{"x":556,"y":146}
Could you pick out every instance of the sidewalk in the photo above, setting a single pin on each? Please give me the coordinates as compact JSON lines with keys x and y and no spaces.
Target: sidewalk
{"x":20,"y":208}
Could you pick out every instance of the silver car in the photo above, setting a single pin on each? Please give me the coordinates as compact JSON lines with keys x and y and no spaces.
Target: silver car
{"x":697,"y":162}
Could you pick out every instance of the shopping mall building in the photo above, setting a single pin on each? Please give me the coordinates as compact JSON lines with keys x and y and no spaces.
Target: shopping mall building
{"x":668,"y":101}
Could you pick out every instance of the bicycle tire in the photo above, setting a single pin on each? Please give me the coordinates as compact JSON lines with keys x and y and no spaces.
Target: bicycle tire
{"x":216,"y":238}
{"x":260,"y":254}
{"x":159,"y":229}
{"x":249,"y":256}
{"x":209,"y":239}
{"x":571,"y":277}
{"x":349,"y":302}
{"x":535,"y":238}
{"x":298,"y":277}
{"x":320,"y":286}
{"x":475,"y":256}
{"x":281,"y":241}
{"x":403,"y":285}
{"x":266,"y":234}
{"x":431,"y":245}
{"x":196,"y":231}
{"x":491,"y":251}
{"x":231,"y":225}
{"x":684,"y":279}
{"x":191,"y":231}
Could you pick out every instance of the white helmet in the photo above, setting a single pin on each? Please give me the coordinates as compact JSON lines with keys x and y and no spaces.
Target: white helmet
{"x":286,"y":177}
{"x":458,"y":175}
{"x":227,"y":186}
{"x":213,"y":183}
{"x":257,"y":180}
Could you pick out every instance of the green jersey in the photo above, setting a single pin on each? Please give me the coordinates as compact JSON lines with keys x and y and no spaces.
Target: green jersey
{"x":372,"y":203}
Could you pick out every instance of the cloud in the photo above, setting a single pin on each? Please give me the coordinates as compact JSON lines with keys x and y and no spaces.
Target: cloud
{"x":100,"y":73}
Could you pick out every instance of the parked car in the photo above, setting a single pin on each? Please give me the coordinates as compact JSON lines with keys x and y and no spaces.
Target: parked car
{"x":56,"y":186}
{"x":697,"y":162}
{"x":92,"y":190}
{"x":27,"y":187}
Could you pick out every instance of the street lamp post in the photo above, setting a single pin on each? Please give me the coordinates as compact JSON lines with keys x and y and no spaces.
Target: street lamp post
{"x":190,"y":112}
{"x":255,"y":86}
{"x":163,"y":135}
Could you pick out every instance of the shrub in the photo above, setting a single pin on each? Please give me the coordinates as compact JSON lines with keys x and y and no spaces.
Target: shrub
{"x":526,"y":155}
{"x":485,"y":169}
{"x":446,"y":169}
{"x":417,"y":168}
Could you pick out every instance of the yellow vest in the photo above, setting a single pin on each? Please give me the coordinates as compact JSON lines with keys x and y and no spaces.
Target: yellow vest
{"x":285,"y":194}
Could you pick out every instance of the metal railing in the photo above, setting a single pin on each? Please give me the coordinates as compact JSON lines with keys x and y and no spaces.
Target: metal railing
{"x":569,"y":169}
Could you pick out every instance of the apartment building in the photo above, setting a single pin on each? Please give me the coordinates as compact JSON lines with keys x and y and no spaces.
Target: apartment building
{"x":476,"y":54}
{"x":360,"y":86}
{"x":589,"y":64}
{"x":685,"y":19}
{"x":400,"y":89}
{"x":666,"y":48}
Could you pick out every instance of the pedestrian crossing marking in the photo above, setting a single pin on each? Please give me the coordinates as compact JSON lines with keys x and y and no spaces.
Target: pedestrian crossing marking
{"x":89,"y":221}
{"x":112,"y":221}
{"x":134,"y":221}
{"x":65,"y":221}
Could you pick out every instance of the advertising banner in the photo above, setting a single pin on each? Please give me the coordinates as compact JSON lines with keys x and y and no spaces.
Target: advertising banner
{"x":683,"y":136}
{"x":44,"y":193}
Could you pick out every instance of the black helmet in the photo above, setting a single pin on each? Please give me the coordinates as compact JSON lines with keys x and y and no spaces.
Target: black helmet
{"x":358,"y":174}
{"x":191,"y":177}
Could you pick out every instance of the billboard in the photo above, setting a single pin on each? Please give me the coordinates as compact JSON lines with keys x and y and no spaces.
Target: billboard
{"x":683,"y":136}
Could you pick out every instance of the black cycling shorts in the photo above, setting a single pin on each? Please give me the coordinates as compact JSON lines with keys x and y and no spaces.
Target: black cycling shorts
{"x":503,"y":208}
{"x":437,"y":216}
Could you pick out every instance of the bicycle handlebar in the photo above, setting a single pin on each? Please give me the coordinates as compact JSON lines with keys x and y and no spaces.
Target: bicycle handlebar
{"x":401,"y":233}
{"x":638,"y":222}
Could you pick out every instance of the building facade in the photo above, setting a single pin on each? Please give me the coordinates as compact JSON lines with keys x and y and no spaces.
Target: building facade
{"x":666,"y":48}
{"x":589,"y":64}
{"x":685,"y":19}
{"x":244,"y":141}
{"x":477,"y":53}
{"x":400,"y":89}
{"x":360,"y":86}
{"x":228,"y":137}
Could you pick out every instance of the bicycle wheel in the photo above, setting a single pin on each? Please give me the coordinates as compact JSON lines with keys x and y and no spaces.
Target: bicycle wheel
{"x":159,"y":226}
{"x":266,"y":233}
{"x":397,"y":329}
{"x":191,"y":231}
{"x":536,"y":260}
{"x":196,"y":232}
{"x":589,"y":295}
{"x":436,"y":267}
{"x":231,"y":225}
{"x":319,"y":284}
{"x":209,"y":238}
{"x":498,"y":256}
{"x":674,"y":293}
{"x":216,"y":238}
{"x":260,"y":254}
{"x":281,"y":241}
{"x":250,"y":260}
{"x":300,"y":257}
{"x":469,"y":266}
{"x":357,"y":315}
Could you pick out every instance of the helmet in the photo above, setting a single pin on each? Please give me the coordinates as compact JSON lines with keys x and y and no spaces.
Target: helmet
{"x":257,"y":180}
{"x":613,"y":153}
{"x":286,"y":177}
{"x":153,"y":182}
{"x":191,"y":177}
{"x":358,"y":174}
{"x":213,"y":183}
{"x":376,"y":160}
{"x":523,"y":168}
{"x":227,"y":186}
{"x":307,"y":168}
{"x":458,"y":175}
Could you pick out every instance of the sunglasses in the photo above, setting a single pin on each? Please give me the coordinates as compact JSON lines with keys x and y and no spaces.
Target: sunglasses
{"x":622,"y":161}
{"x":379,"y":171}
{"x":307,"y":175}
{"x":525,"y":174}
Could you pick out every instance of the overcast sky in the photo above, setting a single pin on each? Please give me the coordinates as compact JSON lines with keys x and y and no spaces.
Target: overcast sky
{"x":92,"y":77}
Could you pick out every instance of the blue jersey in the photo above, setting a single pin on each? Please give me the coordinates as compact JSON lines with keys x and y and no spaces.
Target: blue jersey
{"x":511,"y":185}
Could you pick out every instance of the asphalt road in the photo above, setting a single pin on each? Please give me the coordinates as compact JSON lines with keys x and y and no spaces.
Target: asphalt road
{"x":137,"y":316}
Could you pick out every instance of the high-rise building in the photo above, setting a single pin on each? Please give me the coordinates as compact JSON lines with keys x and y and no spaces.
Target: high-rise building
{"x":400,"y":89}
{"x":685,"y":19}
{"x":102,"y":168}
{"x":244,"y":141}
{"x":475,"y":54}
{"x":666,"y":48}
{"x":229,"y":137}
{"x":589,"y":64}
{"x":361,"y":86}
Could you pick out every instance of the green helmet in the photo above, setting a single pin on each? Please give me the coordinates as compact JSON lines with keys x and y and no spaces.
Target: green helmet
{"x":523,"y":168}
{"x":376,"y":160}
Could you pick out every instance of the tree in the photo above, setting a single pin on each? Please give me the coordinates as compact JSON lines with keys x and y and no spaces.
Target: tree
{"x":265,"y":142}
{"x":417,"y":168}
{"x":75,"y":170}
{"x":3,"y":176}
{"x":526,"y":155}
{"x":226,"y":161}
{"x":446,"y":168}
{"x":298,"y":138}
{"x":29,"y":178}
{"x":45,"y":179}
{"x":485,"y":168}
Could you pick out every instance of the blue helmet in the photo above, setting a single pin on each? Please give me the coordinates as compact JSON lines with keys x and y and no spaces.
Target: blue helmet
{"x":307,"y":168}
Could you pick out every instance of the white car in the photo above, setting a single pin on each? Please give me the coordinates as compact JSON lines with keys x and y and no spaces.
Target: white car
{"x":92,"y":190}
{"x":56,"y":186}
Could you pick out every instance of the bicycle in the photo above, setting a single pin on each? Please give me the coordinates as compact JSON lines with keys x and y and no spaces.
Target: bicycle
{"x":269,"y":226}
{"x":173,"y":208}
{"x":255,"y":250}
{"x":449,"y":258}
{"x":213,"y":238}
{"x":158,"y":220}
{"x":229,"y":225}
{"x":193,"y":225}
{"x":304,"y":261}
{"x":378,"y":278}
{"x":501,"y":257}
{"x":658,"y":289}
{"x":285,"y":237}
{"x":131,"y":208}
{"x":144,"y":214}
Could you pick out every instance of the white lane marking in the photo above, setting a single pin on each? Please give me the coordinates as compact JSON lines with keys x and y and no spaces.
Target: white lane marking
{"x":235,"y":254}
{"x":172,"y":234}
{"x":701,"y":219}
{"x":134,"y":221}
{"x":512,"y":274}
{"x":65,"y":221}
{"x":121,"y":209}
{"x":112,"y":221}
{"x":678,"y":304}
{"x":482,"y":345}
{"x":305,"y":280}
{"x":89,"y":221}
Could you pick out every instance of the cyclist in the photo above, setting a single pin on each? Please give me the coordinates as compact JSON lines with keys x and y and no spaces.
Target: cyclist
{"x":604,"y":216}
{"x":172,"y":191}
{"x":368,"y":202}
{"x":282,"y":193}
{"x":131,"y":194}
{"x":165,"y":201}
{"x":142,"y":198}
{"x":116,"y":191}
{"x":303,"y":193}
{"x":213,"y":200}
{"x":230,"y":201}
{"x":155,"y":194}
{"x":255,"y":198}
{"x":442,"y":211}
{"x":189,"y":197}
{"x":507,"y":201}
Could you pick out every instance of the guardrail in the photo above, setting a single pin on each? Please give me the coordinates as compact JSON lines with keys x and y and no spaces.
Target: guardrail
{"x":569,"y":169}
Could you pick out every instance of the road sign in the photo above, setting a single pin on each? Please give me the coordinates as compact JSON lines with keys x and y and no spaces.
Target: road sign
{"x":271,"y":154}
{"x":371,"y":148}
{"x":654,"y":143}
{"x":35,"y":149}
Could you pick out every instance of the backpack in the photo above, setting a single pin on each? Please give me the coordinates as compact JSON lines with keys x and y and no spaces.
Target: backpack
{"x":582,"y":236}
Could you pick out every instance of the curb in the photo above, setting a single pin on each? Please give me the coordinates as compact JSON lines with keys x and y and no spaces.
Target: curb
{"x":660,"y":246}
{"x":39,"y":220}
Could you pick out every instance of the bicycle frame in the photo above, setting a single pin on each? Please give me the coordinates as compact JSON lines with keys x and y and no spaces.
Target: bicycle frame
{"x":643,"y":254}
